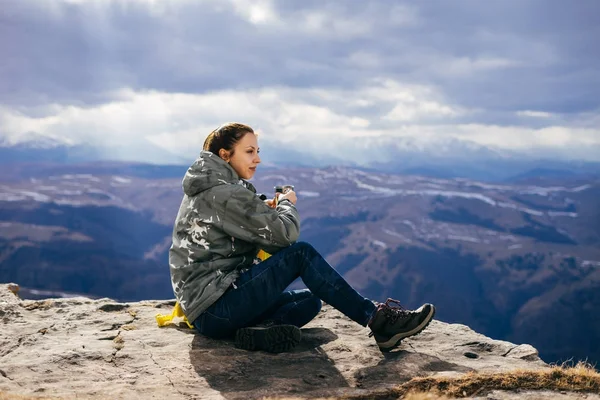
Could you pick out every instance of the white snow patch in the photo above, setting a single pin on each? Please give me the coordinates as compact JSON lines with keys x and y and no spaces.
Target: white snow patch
{"x":467,"y":195}
{"x":525,"y":210}
{"x":464,"y":238}
{"x":398,"y":235}
{"x":491,"y":233}
{"x":486,"y":186}
{"x":562,"y":214}
{"x":532,"y":212}
{"x":545,"y":191}
{"x":75,"y":176}
{"x":367,"y":175}
{"x":306,"y":193}
{"x":515,"y":246}
{"x":42,"y":198}
{"x":433,"y":185}
{"x":376,"y":189}
{"x":120,"y":179}
{"x":542,"y":191}
{"x":273,"y":177}
{"x":102,"y":192}
{"x":590,"y":263}
{"x":581,"y":188}
{"x":73,"y":203}
{"x":70,"y":192}
{"x":443,"y":193}
{"x":379,"y":243}
{"x":409,"y":223}
{"x":10,"y":197}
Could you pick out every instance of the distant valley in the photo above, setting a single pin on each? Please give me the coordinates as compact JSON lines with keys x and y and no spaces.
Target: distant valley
{"x":516,"y":261}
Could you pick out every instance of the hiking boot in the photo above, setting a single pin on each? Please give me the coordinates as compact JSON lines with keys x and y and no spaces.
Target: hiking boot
{"x":392,"y":324}
{"x":268,"y":337}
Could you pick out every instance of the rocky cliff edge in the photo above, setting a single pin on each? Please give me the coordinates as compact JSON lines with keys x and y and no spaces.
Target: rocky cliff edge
{"x":102,"y":349}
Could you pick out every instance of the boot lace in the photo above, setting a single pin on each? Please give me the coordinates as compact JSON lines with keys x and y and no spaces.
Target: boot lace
{"x":392,"y":313}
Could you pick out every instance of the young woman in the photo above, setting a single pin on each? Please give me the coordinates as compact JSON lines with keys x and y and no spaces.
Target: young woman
{"x":226,"y":291}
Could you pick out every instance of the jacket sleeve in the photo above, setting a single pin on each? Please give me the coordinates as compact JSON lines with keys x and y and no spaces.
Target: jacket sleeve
{"x":245,"y":216}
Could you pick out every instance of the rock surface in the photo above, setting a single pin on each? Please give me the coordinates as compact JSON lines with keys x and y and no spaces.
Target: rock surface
{"x":101,"y":349}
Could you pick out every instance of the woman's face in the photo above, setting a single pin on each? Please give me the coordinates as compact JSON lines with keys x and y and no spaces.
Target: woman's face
{"x":245,"y":156}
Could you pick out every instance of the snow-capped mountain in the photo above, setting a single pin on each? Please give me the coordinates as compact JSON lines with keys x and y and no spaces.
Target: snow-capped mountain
{"x":417,"y":150}
{"x":443,"y":158}
{"x":35,"y":140}
{"x":40,"y":148}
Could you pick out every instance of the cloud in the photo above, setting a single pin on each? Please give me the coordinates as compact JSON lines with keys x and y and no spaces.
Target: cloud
{"x":286,"y":112}
{"x":168,"y":72}
{"x":534,"y":114}
{"x":317,"y":121}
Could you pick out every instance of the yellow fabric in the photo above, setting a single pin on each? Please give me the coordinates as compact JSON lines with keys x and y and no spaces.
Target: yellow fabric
{"x":164,"y":320}
{"x":168,"y":319}
{"x":263,"y":255}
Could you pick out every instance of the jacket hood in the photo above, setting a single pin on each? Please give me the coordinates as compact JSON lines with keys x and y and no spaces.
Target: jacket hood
{"x":207,"y":171}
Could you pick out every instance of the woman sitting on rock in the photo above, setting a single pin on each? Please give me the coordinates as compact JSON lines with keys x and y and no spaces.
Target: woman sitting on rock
{"x":222,"y":286}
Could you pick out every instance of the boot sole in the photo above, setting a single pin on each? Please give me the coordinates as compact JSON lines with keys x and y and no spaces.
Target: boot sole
{"x":273,"y":339}
{"x":396,"y":339}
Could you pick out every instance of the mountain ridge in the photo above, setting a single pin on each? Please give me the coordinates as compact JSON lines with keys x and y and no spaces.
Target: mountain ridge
{"x":447,"y":158}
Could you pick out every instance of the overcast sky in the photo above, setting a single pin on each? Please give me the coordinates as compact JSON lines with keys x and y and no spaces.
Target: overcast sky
{"x":513,"y":74}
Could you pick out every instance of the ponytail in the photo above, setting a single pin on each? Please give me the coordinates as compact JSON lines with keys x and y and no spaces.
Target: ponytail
{"x":225,"y":137}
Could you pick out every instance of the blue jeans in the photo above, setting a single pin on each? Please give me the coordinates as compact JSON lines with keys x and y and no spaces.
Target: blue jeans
{"x":258,"y":294}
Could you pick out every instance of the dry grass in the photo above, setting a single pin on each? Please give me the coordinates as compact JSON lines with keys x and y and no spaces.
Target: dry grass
{"x":579,"y":378}
{"x":424,"y":396}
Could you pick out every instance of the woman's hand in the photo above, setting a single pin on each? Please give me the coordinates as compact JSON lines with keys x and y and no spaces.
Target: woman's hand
{"x":289,"y":195}
{"x":271,"y":203}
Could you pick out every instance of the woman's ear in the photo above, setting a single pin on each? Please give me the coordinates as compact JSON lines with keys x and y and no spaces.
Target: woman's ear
{"x":224,"y":154}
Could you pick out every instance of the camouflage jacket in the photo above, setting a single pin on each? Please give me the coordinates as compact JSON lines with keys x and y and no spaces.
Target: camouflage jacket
{"x":219,"y":229}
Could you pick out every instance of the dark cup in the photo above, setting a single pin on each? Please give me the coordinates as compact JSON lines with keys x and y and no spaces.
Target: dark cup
{"x":283,"y":188}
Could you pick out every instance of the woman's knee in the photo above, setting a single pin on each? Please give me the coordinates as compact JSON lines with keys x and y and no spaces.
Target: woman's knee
{"x":303,"y":311}
{"x":314,"y":304}
{"x":308,"y":300}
